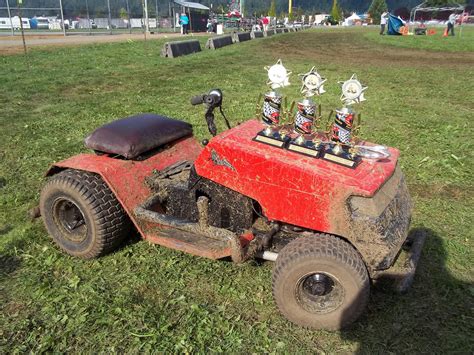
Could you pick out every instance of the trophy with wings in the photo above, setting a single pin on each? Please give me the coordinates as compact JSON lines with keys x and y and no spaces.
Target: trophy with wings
{"x":305,"y":120}
{"x":341,"y":149}
{"x":271,"y":110}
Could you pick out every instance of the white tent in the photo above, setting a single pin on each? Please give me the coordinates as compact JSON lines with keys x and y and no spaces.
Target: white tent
{"x":351,"y":19}
{"x":423,"y":7}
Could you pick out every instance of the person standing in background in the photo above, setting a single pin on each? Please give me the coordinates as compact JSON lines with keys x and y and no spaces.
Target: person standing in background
{"x":383,"y":22}
{"x":451,"y":21}
{"x":184,"y":21}
{"x":265,"y":23}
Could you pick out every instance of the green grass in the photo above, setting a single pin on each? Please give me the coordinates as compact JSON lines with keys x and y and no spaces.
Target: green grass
{"x":148,"y":298}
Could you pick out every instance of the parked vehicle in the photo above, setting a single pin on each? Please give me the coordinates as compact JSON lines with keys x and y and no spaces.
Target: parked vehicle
{"x":332,"y":230}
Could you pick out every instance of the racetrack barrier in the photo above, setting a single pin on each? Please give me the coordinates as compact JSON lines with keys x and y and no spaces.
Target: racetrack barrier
{"x":179,"y":48}
{"x":242,"y":36}
{"x":256,"y":34}
{"x":218,"y":42}
{"x":279,"y":30}
{"x":269,"y":33}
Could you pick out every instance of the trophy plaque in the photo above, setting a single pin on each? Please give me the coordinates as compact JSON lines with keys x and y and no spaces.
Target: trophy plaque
{"x":270,"y":113}
{"x":307,"y":142}
{"x":340,"y":149}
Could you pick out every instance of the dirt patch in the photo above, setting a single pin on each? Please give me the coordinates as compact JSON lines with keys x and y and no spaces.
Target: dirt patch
{"x":344,"y":48}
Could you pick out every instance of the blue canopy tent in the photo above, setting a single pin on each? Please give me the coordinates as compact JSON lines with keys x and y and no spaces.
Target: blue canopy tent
{"x":394,"y":24}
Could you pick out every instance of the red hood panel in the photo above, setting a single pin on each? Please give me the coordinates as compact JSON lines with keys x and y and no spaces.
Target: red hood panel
{"x":365,"y":179}
{"x":289,"y":186}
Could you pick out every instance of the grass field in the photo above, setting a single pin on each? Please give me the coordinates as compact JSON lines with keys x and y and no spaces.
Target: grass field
{"x":144,"y":297}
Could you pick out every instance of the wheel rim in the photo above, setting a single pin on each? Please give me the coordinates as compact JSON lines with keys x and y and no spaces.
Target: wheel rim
{"x":319,"y":293}
{"x":69,"y":218}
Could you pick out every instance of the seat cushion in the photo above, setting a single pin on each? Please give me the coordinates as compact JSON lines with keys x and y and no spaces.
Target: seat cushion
{"x":132,"y":136}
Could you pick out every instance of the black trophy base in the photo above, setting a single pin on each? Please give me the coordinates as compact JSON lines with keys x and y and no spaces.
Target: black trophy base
{"x":272,"y":138}
{"x":305,"y":147}
{"x":342,"y":158}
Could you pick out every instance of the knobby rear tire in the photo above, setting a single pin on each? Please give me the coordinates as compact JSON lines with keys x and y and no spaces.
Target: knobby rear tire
{"x":82,"y":214}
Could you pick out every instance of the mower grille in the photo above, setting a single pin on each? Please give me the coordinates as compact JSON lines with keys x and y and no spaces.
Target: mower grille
{"x":388,"y":213}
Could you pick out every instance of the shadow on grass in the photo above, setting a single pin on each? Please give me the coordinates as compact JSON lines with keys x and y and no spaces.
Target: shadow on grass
{"x":10,"y":263}
{"x":431,"y":317}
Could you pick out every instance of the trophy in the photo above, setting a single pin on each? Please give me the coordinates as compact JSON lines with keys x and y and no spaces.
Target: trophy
{"x":341,"y":149}
{"x":274,"y":134}
{"x":307,"y":141}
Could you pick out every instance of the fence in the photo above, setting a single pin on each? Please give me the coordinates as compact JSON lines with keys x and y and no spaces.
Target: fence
{"x":85,"y":16}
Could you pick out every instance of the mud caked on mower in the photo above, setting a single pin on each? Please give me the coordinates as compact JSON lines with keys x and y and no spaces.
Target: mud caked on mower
{"x":334,"y":215}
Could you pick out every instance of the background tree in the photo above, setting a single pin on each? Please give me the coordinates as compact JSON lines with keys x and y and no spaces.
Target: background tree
{"x":272,"y":11}
{"x":123,"y":13}
{"x":336,"y":11}
{"x":376,"y":9}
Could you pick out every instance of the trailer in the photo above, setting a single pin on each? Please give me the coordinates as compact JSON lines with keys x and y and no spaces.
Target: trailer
{"x":6,"y":23}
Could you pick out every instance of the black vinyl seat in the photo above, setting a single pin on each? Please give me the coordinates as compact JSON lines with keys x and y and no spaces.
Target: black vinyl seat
{"x":132,"y":136}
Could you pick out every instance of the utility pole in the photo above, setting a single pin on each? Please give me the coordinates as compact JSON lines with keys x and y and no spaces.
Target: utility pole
{"x":89,"y":25}
{"x":10,"y":17}
{"x":147,"y":27}
{"x":62,"y":16}
{"x":110,"y":17}
{"x":128,"y":15}
{"x":290,"y":7}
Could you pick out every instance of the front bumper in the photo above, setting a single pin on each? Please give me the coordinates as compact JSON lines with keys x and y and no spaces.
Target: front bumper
{"x":400,"y":275}
{"x":382,"y":222}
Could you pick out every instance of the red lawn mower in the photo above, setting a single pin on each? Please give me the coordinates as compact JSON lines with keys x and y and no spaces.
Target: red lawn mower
{"x":330,"y":229}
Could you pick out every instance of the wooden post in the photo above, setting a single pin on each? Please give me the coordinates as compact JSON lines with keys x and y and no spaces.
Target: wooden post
{"x":19,"y":3}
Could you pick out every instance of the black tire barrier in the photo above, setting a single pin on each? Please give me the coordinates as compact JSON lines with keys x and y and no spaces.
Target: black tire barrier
{"x":279,"y":30}
{"x":257,"y":34}
{"x":269,"y":33}
{"x":242,"y":36}
{"x":286,"y":30}
{"x":218,"y":42}
{"x":177,"y":49}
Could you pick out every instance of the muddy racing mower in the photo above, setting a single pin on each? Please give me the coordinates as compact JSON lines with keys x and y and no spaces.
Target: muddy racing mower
{"x":331,"y":230}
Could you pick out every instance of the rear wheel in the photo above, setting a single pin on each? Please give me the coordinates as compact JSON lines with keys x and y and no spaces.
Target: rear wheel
{"x":82,"y":214}
{"x":320,"y":282}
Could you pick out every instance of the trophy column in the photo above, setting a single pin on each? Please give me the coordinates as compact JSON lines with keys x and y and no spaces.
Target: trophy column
{"x":341,"y":148}
{"x":307,"y":141}
{"x":270,"y":113}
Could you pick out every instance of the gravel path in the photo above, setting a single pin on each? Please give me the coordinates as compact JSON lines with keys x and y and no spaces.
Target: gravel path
{"x":12,"y":45}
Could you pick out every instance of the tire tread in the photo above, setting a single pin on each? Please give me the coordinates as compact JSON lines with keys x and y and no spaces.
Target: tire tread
{"x":327,"y":246}
{"x":111,"y":221}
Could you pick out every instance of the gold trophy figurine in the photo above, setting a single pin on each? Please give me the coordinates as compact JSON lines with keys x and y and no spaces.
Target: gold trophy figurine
{"x":307,"y":141}
{"x":270,"y":111}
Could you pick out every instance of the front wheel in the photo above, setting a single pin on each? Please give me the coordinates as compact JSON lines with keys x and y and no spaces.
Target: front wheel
{"x":82,"y":214}
{"x":320,"y":282}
